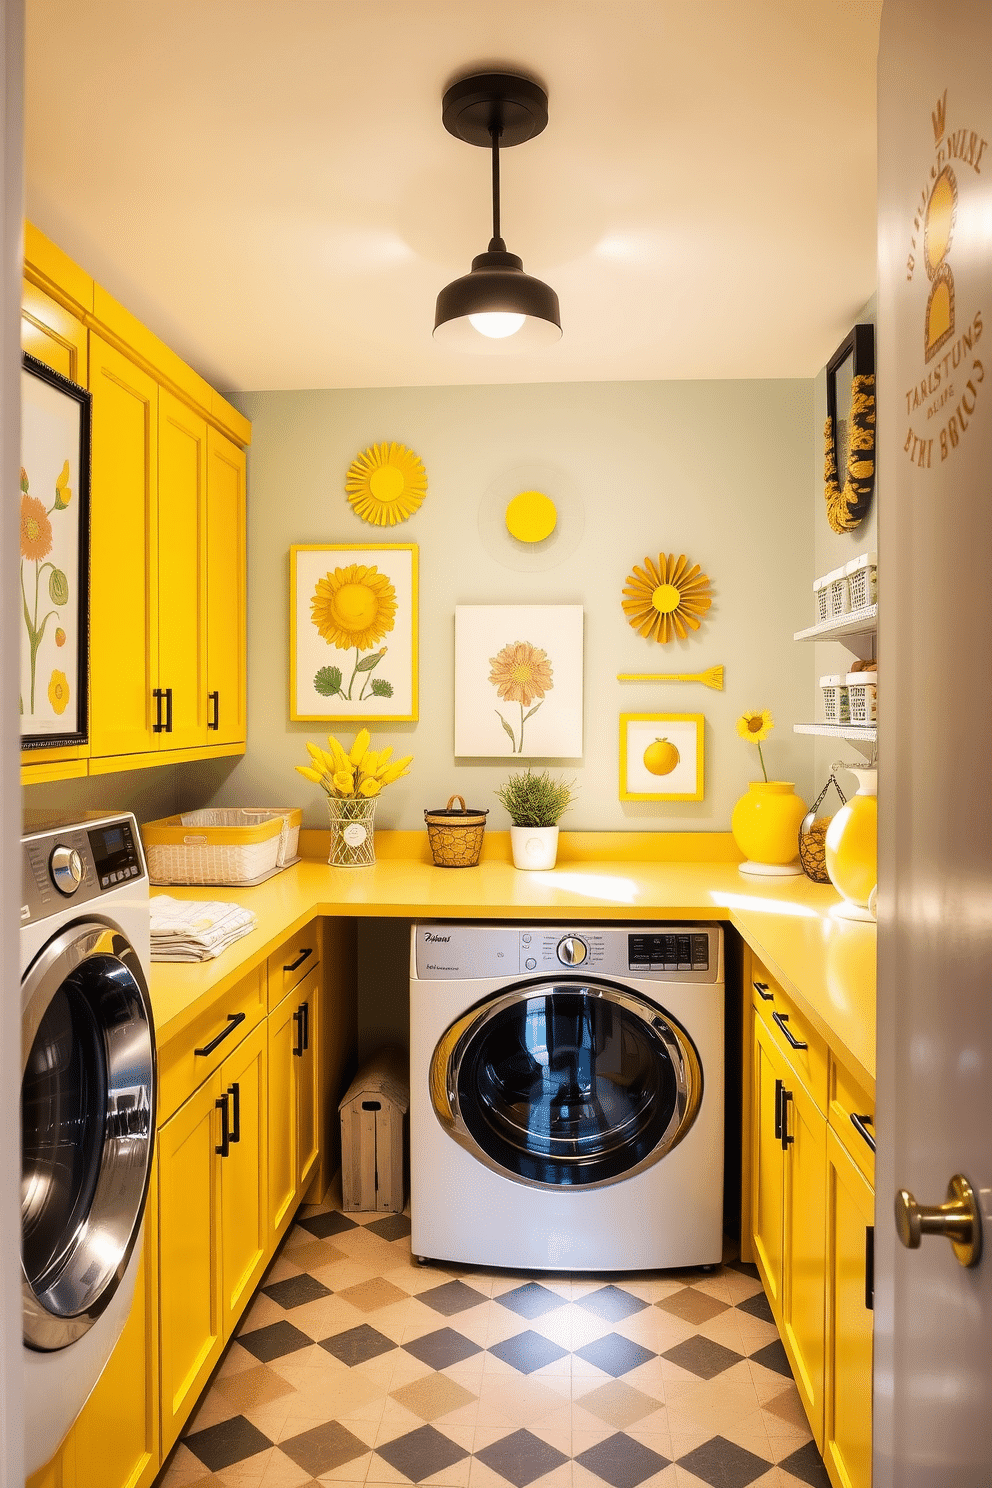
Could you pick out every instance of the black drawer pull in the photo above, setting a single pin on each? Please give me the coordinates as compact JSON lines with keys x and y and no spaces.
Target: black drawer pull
{"x":233,"y":1019}
{"x":214,"y":697}
{"x":787,"y":1141}
{"x":224,"y":1150}
{"x":306,"y":951}
{"x":158,"y":727}
{"x":762,"y":990}
{"x":782,"y":1019}
{"x":306,"y":1025}
{"x":870,"y":1267}
{"x":234,"y":1091}
{"x":299,"y":1018}
{"x":861,"y":1124}
{"x":778,"y":1110}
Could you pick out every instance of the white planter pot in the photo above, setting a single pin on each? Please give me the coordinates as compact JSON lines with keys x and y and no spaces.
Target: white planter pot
{"x":534,"y":847}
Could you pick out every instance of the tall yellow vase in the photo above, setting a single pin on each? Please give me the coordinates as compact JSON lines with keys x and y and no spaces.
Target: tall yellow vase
{"x":765,"y":824}
{"x":852,"y":847}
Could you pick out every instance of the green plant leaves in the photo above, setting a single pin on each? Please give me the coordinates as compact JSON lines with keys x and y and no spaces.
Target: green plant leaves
{"x":58,"y":587}
{"x":382,"y":688}
{"x":328,"y":681}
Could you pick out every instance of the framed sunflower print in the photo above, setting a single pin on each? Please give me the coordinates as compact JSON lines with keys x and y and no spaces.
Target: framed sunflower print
{"x":518,"y":681}
{"x":54,"y":576}
{"x":661,"y":756}
{"x":353,"y":632}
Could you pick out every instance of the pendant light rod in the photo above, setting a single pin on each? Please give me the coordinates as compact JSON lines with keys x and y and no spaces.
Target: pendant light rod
{"x":497,"y":245}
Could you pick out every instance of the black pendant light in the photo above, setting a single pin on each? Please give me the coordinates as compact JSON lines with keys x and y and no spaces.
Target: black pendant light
{"x":497,"y":307}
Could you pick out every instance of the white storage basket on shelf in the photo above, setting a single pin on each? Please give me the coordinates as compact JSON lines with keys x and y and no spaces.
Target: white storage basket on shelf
{"x":821,"y":600}
{"x":835,"y":699}
{"x":225,"y":845}
{"x":862,"y":581}
{"x":862,"y":691}
{"x":839,"y":592}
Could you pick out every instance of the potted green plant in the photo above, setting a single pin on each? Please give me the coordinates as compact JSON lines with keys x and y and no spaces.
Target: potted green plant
{"x":534,"y":804}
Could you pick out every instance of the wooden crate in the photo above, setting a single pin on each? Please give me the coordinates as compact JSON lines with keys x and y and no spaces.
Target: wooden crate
{"x":373,"y":1112}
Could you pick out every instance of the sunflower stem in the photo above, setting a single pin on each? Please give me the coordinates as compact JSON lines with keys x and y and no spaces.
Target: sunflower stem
{"x":521,"y":749}
{"x":358,"y":657}
{"x":761,"y":757}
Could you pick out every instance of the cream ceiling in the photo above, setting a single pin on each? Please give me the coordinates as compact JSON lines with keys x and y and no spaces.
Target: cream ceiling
{"x":268,"y":185}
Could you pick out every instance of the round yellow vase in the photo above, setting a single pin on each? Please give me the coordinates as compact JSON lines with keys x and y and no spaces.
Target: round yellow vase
{"x":852,"y":847}
{"x":765,"y":824}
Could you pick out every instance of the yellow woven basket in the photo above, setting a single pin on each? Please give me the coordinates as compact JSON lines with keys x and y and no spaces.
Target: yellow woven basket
{"x":455,"y":837}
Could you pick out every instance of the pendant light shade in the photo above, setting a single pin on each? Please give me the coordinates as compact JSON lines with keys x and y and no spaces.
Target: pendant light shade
{"x":496,"y":307}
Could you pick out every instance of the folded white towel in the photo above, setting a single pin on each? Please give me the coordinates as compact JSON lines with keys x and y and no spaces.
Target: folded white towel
{"x":192,"y":930}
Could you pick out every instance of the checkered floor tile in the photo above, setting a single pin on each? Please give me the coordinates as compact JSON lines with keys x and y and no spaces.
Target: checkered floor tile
{"x":464,"y":1378}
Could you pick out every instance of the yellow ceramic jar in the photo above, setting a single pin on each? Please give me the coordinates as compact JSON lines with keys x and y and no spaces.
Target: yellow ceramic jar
{"x":852,"y":842}
{"x":765,"y":824}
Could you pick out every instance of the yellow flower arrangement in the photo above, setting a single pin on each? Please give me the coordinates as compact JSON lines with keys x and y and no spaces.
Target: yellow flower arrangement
{"x":755,"y":727}
{"x":358,"y":772}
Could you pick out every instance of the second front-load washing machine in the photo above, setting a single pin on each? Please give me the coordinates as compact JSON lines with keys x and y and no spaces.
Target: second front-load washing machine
{"x":567,"y":1095}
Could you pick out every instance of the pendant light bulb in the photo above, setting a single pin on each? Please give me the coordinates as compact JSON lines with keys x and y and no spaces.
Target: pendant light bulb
{"x":496,"y":307}
{"x":497,"y":324}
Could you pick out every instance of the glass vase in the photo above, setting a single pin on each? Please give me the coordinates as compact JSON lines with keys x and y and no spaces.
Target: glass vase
{"x":352,"y":831}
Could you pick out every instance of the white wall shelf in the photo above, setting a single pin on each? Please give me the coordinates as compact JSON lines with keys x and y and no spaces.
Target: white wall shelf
{"x":857,"y":622}
{"x":866,"y":732}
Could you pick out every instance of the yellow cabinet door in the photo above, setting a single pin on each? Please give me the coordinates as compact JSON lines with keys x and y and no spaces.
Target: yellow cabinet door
{"x":191,"y":1324}
{"x":182,"y":575}
{"x":804,"y":1257}
{"x":115,"y":1441}
{"x":307,"y":1080}
{"x":847,"y":1425}
{"x":284,"y":1038}
{"x":226,"y":591}
{"x":123,"y":553}
{"x":767,"y":1165}
{"x":244,"y":1179}
{"x":53,"y":334}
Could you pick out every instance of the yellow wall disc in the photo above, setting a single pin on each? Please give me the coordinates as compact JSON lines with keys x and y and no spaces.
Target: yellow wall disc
{"x":531,"y":517}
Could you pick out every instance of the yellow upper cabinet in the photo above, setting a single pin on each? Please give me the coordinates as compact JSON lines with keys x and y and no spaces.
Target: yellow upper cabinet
{"x":167,"y":545}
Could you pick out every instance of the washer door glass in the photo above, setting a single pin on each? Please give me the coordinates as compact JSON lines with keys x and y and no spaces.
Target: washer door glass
{"x":567,"y":1083}
{"x":87,"y":1122}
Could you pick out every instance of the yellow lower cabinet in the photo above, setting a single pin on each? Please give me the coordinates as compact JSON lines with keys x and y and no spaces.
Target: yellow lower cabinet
{"x":308,"y":1092}
{"x":244,"y":1177}
{"x":190,"y":1310}
{"x":294,"y":1135}
{"x":115,"y":1441}
{"x":850,"y":1219}
{"x":767,"y":1167}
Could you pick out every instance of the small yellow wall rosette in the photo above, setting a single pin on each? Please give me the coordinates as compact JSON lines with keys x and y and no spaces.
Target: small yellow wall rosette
{"x":386,"y":484}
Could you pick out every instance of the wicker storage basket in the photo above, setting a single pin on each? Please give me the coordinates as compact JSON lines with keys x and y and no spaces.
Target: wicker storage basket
{"x":222,"y":845}
{"x":455,"y":836}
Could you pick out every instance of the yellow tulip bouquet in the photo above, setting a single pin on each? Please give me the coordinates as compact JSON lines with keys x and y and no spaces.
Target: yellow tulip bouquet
{"x":351,"y":780}
{"x":351,"y":774}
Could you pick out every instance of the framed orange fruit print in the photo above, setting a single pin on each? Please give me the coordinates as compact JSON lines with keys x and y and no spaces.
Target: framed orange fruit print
{"x":661,"y":756}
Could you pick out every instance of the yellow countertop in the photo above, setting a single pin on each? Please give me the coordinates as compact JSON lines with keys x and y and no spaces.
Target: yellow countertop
{"x":826,"y":964}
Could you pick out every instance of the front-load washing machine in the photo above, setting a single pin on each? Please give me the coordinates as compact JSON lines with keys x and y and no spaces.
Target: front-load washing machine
{"x":88,"y":1097}
{"x":567,"y":1095}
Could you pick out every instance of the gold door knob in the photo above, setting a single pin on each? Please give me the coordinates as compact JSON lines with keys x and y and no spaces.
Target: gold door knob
{"x":958,"y":1218}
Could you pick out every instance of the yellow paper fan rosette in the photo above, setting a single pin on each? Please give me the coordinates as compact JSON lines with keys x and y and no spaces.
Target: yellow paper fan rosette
{"x":666,"y":597}
{"x":386,"y":484}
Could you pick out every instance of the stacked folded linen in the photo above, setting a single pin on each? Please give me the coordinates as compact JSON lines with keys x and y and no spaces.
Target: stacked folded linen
{"x":187,"y":930}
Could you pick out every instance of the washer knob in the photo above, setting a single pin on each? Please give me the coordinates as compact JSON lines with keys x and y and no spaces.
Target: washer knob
{"x":66,"y":869}
{"x":572,"y":951}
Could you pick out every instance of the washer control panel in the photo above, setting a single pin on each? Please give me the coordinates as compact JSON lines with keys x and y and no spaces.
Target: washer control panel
{"x":78,"y":863}
{"x":684,"y":953}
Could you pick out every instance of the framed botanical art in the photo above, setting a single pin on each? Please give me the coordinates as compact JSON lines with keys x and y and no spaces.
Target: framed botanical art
{"x":54,"y":576}
{"x":518,"y":681}
{"x":661,"y":756}
{"x":353,"y":632}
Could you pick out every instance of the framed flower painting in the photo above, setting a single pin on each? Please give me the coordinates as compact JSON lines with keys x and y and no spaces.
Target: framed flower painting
{"x":353,"y":632}
{"x":54,"y":574}
{"x":518,"y":681}
{"x":661,"y":756}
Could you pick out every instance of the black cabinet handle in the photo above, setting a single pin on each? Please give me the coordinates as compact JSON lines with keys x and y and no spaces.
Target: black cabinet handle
{"x":787,"y":1141}
{"x":870,"y":1267}
{"x":782,"y":1019}
{"x":233,"y":1019}
{"x":214,"y":697}
{"x":298,"y":1018}
{"x":778,"y":1110}
{"x":234,"y":1091}
{"x":861,"y":1124}
{"x":762,"y":990}
{"x":158,"y":726}
{"x":306,"y":1025}
{"x":307,"y":951}
{"x":224,"y":1149}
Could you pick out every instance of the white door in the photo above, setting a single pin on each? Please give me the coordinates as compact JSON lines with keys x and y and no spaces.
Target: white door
{"x":933,"y":1318}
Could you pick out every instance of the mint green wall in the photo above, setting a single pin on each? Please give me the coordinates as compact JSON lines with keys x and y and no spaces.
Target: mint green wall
{"x":719,"y":471}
